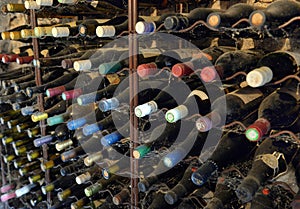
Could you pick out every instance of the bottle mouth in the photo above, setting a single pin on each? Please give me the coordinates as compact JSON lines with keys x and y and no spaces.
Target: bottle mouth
{"x":141,"y":151}
{"x":105,"y":31}
{"x":257,"y":19}
{"x":253,"y":134}
{"x":82,"y":30}
{"x":213,"y":20}
{"x":145,"y":109}
{"x":180,"y":69}
{"x":67,"y":63}
{"x":77,"y":123}
{"x":6,"y":197}
{"x":58,"y":119}
{"x":60,"y":32}
{"x":204,"y":124}
{"x":171,"y":198}
{"x":208,"y":74}
{"x":105,"y":173}
{"x":110,"y":67}
{"x":142,"y":27}
{"x":90,"y":129}
{"x":171,"y":22}
{"x":116,"y":200}
{"x":145,"y":70}
{"x":257,"y":130}
{"x":108,"y":104}
{"x":259,"y":77}
{"x":176,"y":114}
{"x":173,"y":158}
{"x":142,"y":186}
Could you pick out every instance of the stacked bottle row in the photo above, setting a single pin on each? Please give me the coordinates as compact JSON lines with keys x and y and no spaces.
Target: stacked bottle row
{"x":239,"y":21}
{"x":188,"y":100}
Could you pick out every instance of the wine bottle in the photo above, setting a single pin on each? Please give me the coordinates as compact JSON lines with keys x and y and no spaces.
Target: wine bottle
{"x":95,"y":84}
{"x":79,"y":81}
{"x":166,"y":59}
{"x":159,"y":202}
{"x":49,"y":102}
{"x":230,"y":178}
{"x":97,"y":95}
{"x":94,"y":62}
{"x":123,"y":62}
{"x":89,"y":29}
{"x":208,"y":57}
{"x":178,"y":22}
{"x":116,"y":136}
{"x":273,"y":15}
{"x":56,"y":109}
{"x":13,"y":98}
{"x":239,"y":104}
{"x":107,"y":30}
{"x":268,"y":71}
{"x":230,"y":63}
{"x":196,"y":102}
{"x":90,"y":174}
{"x":57,"y":204}
{"x":87,"y":146}
{"x":146,"y":27}
{"x":159,"y":135}
{"x":72,"y":29}
{"x":29,"y":168}
{"x":149,"y":89}
{"x":183,"y":187}
{"x":12,"y":57}
{"x":45,"y":78}
{"x":73,"y":111}
{"x":190,"y":146}
{"x":55,"y":61}
{"x":283,"y":103}
{"x":100,"y":185}
{"x":13,"y":137}
{"x":5,"y":35}
{"x":195,"y":200}
{"x":230,"y":16}
{"x":230,"y":148}
{"x":89,"y":118}
{"x":117,"y":166}
{"x":271,"y":158}
{"x":168,"y":97}
{"x":31,"y":5}
{"x":20,"y":105}
{"x":62,"y":182}
{"x":72,"y":168}
{"x":57,"y":82}
{"x":12,"y":123}
{"x":121,"y":196}
{"x":68,"y":63}
{"x":104,"y":123}
{"x":47,"y":2}
{"x":12,"y":82}
{"x":37,"y":198}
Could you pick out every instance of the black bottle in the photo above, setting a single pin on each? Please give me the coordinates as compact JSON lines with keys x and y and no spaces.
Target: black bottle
{"x":230,"y":16}
{"x":271,"y":158}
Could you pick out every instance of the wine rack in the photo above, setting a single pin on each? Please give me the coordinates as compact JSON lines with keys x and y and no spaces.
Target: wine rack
{"x":132,"y":10}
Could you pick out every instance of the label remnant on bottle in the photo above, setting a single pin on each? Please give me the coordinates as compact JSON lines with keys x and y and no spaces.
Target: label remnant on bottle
{"x":247,"y":95}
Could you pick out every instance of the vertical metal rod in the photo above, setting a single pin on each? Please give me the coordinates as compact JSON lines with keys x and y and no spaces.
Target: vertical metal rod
{"x":38,"y":80}
{"x":4,"y":182}
{"x":133,"y":86}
